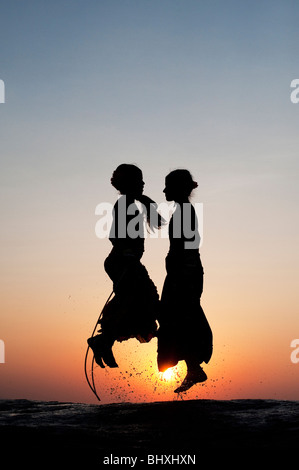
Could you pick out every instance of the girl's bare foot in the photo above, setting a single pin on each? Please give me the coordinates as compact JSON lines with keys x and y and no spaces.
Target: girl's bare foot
{"x":192,"y":378}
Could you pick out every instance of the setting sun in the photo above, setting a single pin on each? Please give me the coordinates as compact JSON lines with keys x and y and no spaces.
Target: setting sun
{"x":168,"y":374}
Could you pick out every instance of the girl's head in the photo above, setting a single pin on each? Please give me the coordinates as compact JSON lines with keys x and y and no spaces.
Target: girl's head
{"x":128,"y":179}
{"x":179,"y":185}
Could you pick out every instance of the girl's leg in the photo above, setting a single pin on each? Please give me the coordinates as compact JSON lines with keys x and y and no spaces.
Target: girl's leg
{"x":195,"y":374}
{"x":101,"y":346}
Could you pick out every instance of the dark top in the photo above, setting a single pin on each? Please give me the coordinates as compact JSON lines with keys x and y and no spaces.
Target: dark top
{"x":127,"y":230}
{"x":183,"y":230}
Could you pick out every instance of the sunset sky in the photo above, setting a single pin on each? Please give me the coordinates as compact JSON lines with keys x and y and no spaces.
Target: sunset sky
{"x":163,"y":84}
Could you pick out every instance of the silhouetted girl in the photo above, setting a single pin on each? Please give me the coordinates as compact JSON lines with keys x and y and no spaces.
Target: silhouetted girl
{"x":133,"y":311}
{"x":184,"y":332}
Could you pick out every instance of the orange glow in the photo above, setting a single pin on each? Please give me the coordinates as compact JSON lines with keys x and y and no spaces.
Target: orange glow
{"x":168,"y":374}
{"x":50,"y":312}
{"x":46,"y":344}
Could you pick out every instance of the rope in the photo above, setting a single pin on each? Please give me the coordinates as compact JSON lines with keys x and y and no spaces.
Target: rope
{"x":92,"y":383}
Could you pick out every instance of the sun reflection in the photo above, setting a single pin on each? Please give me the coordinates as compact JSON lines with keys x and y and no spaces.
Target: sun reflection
{"x":168,"y":374}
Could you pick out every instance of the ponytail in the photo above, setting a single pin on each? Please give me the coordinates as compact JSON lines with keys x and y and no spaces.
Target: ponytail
{"x":154,"y":219}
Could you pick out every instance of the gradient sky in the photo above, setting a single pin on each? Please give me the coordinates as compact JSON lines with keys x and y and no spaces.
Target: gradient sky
{"x":162,"y":84}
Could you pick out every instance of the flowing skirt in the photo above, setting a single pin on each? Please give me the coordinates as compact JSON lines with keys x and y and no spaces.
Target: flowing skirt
{"x":184,"y":331}
{"x":133,"y":310}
